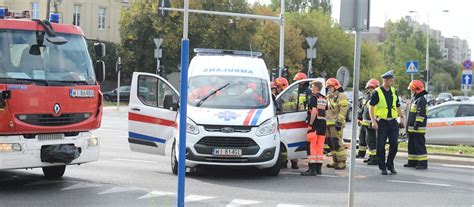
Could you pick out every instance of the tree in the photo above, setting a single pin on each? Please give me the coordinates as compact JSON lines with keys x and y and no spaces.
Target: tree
{"x":267,"y":40}
{"x":303,"y":5}
{"x":334,"y":47}
{"x":442,"y":82}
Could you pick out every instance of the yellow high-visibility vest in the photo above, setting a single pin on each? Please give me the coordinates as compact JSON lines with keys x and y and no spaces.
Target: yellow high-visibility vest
{"x":381,"y":109}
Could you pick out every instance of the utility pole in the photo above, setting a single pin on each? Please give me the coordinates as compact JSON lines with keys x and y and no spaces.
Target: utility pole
{"x":282,"y":37}
{"x":48,"y":8}
{"x":118,"y":68}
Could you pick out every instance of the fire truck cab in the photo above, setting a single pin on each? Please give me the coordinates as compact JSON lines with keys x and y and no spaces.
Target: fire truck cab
{"x":50,"y":97}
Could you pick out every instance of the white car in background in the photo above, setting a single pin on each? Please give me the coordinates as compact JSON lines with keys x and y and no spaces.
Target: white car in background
{"x":451,"y":123}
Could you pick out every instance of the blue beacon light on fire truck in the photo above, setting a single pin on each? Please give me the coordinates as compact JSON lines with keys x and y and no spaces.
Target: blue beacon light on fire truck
{"x":54,"y":17}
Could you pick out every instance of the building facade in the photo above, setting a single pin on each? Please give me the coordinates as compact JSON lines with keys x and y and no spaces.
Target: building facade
{"x":98,"y":19}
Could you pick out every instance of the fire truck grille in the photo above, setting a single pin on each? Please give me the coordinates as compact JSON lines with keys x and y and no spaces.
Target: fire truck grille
{"x":50,"y":120}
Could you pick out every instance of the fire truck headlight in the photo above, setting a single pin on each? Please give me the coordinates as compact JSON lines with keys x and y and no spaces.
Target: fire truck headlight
{"x":10,"y":147}
{"x":93,"y":141}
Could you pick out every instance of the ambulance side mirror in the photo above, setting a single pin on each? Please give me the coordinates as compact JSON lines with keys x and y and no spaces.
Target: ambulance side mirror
{"x":169,"y":103}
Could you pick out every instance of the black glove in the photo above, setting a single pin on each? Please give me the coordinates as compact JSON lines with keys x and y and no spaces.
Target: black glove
{"x":416,"y":126}
{"x":338,"y":126}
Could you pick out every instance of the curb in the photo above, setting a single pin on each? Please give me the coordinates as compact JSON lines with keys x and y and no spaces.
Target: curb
{"x":436,"y":157}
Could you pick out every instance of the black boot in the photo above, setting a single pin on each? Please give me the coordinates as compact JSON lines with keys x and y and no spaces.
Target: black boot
{"x":318,"y":168}
{"x":311,"y":170}
{"x":294,"y":164}
{"x":360,"y":154}
{"x":373,"y":160}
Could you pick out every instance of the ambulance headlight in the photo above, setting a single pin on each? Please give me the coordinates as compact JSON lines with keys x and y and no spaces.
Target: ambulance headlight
{"x":191,"y":127}
{"x":93,"y":141}
{"x":10,"y":147}
{"x":268,"y":127}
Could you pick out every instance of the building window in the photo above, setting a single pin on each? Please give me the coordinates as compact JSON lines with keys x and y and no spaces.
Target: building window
{"x":76,"y":18}
{"x":101,"y":18}
{"x":35,"y":10}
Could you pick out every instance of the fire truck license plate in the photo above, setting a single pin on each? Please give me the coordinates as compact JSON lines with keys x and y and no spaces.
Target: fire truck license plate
{"x":227,"y":152}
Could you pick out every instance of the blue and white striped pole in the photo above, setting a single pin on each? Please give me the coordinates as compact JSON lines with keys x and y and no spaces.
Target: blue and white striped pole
{"x":183,"y":108}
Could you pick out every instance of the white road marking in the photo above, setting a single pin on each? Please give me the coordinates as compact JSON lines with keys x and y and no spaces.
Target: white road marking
{"x":81,"y":185}
{"x":153,"y":194}
{"x":43,"y":182}
{"x":118,"y":190}
{"x":239,"y":202}
{"x":288,"y":205}
{"x":192,"y":198}
{"x":130,"y":160}
{"x":419,"y":183}
{"x":459,"y":166}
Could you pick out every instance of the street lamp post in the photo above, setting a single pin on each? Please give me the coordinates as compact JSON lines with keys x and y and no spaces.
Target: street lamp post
{"x":427,"y":61}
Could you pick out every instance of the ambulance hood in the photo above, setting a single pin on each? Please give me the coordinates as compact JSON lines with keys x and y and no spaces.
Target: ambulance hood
{"x":230,"y":117}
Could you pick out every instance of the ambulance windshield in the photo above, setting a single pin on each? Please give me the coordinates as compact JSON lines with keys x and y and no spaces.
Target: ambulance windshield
{"x":228,"y":92}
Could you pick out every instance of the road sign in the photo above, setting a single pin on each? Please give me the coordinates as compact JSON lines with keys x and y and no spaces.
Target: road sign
{"x":466,"y":79}
{"x":311,"y":41}
{"x":411,"y":67}
{"x":311,"y":53}
{"x":343,"y":75}
{"x":467,"y":65}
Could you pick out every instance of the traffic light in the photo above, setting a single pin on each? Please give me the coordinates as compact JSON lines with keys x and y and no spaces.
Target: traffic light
{"x":285,"y":73}
{"x":274,"y":73}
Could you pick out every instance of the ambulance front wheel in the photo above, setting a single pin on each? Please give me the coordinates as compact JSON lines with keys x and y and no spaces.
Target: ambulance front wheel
{"x":54,"y":172}
{"x":275,"y":169}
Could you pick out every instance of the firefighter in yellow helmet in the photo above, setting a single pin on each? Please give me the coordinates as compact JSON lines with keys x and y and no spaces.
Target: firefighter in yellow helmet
{"x":335,"y":121}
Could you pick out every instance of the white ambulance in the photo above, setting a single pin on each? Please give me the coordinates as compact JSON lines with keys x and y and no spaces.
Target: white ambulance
{"x":231,"y":117}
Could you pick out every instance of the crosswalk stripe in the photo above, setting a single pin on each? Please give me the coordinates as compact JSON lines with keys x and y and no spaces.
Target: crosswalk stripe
{"x":153,"y":194}
{"x":81,"y":185}
{"x":118,"y":190}
{"x":192,"y":198}
{"x":240,"y":202}
{"x":288,"y":205}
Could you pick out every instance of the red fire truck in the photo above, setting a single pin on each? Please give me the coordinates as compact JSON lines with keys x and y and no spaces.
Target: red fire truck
{"x":50,"y":97}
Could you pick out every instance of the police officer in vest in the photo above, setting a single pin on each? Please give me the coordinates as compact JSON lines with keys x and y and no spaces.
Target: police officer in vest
{"x":384,"y":111}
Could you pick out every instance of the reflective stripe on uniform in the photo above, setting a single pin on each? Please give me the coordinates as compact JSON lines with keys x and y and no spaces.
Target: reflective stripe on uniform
{"x":362,"y":148}
{"x":373,"y":152}
{"x":418,"y":157}
{"x":419,"y":130}
{"x":365,"y":123}
{"x":420,"y":119}
{"x":330,"y":123}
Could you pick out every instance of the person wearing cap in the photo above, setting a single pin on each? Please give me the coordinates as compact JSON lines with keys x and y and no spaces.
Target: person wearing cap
{"x":316,"y":133}
{"x":335,"y":121}
{"x":367,"y":135}
{"x":384,"y":111}
{"x":416,"y":127}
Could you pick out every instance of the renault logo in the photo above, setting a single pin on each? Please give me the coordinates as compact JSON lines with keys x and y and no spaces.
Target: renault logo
{"x":227,"y":129}
{"x":56,"y":108}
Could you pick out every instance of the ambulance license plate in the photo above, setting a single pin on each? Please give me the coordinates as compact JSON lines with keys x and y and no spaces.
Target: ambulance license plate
{"x":227,"y":152}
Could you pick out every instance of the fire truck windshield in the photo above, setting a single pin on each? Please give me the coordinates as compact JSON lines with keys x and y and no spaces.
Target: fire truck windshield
{"x":27,"y":58}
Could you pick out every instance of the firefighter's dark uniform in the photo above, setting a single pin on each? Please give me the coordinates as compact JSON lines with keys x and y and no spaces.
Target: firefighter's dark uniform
{"x":367,"y":137}
{"x":386,"y":104}
{"x":416,"y":128}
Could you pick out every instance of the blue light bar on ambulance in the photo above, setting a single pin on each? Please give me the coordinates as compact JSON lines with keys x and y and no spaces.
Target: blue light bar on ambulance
{"x":206,"y":51}
{"x":54,"y":17}
{"x":2,"y":12}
